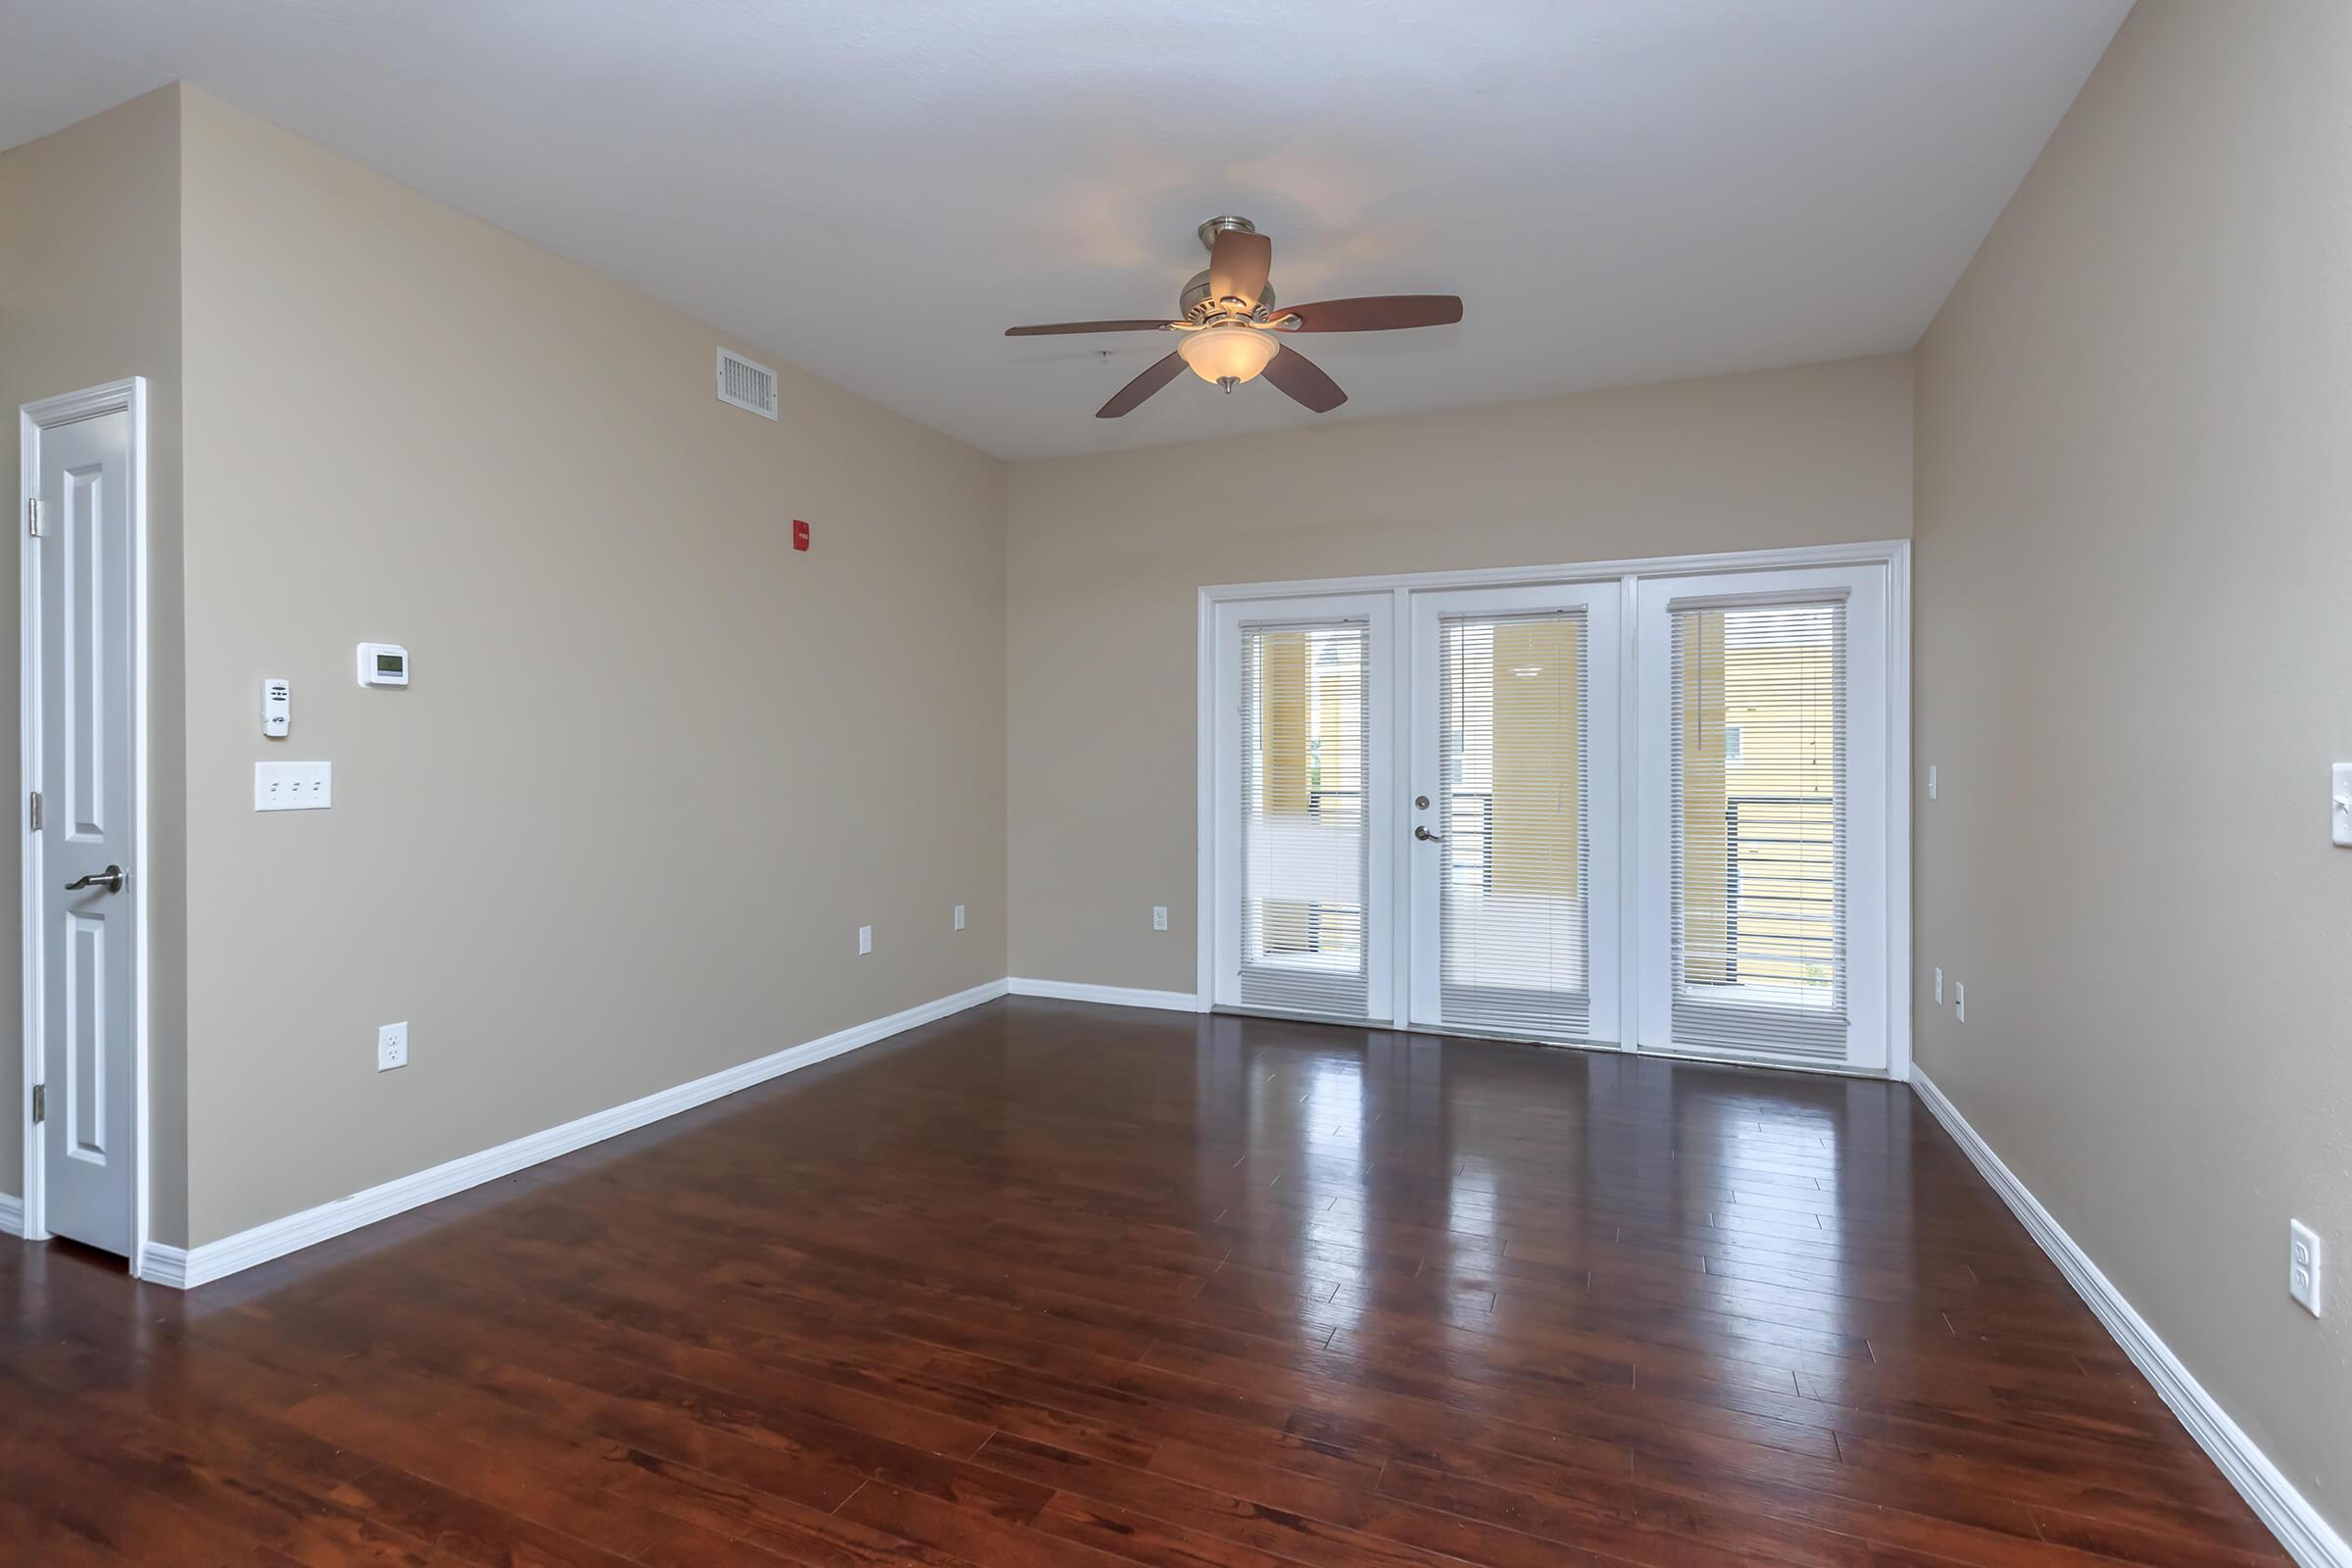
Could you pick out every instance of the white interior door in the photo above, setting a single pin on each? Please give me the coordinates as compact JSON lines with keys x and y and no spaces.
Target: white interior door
{"x":1765,"y":768}
{"x":78,"y":742}
{"x":1513,"y":822}
{"x":1305,"y":742}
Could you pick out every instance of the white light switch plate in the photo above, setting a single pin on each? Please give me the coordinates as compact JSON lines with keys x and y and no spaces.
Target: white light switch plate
{"x":391,"y":1046}
{"x":2303,"y":1265}
{"x":293,"y":786}
{"x":865,"y":938}
{"x":2340,"y":791}
{"x":1959,"y":1002}
{"x":959,"y":917}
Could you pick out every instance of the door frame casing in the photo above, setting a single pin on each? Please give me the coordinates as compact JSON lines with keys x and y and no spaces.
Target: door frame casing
{"x":1893,"y":556}
{"x":129,"y":397}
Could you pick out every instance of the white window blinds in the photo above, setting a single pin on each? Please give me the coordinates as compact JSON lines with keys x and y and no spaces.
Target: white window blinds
{"x":1514,"y":766}
{"x":1306,"y":848}
{"x":1759,"y":828}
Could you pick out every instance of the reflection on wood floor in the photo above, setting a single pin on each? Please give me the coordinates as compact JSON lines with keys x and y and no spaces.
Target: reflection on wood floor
{"x":1053,"y":1284}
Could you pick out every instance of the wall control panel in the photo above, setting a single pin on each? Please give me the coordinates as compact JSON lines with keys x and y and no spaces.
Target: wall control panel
{"x":278,"y":708}
{"x":383,"y":664}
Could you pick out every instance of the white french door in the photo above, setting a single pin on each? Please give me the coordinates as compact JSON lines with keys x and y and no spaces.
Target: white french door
{"x":1303,"y":807}
{"x":1513,"y":822}
{"x":1654,"y":809}
{"x":1765,"y":765}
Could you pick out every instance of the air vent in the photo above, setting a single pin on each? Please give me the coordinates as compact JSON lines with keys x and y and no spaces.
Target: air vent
{"x":747,"y":385}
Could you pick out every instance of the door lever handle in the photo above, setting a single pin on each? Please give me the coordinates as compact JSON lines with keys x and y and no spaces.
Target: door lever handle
{"x":1425,"y":836}
{"x":110,"y":879}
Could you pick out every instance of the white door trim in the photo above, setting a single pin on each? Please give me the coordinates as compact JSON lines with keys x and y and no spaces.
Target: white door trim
{"x":126,"y":396}
{"x":1894,"y":555}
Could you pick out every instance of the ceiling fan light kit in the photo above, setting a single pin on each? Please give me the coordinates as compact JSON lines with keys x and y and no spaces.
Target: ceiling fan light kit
{"x":1228,"y":353}
{"x":1232,"y":332}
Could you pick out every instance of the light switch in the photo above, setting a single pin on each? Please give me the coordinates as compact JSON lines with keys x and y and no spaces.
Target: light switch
{"x":293,"y":786}
{"x":2341,"y":789}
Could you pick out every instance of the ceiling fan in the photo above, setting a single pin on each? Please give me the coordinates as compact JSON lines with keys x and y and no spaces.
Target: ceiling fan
{"x":1233,"y":330}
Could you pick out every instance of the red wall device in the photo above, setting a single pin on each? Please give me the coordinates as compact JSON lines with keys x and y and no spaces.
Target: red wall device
{"x":799,"y":534}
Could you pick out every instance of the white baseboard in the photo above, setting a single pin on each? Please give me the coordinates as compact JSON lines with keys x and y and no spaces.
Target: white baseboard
{"x":11,"y":1215}
{"x":2309,"y":1539}
{"x":185,"y":1269}
{"x":1107,"y":995}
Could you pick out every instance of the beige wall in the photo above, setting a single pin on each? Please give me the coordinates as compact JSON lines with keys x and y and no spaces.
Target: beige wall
{"x":89,"y":293}
{"x":2135,"y":589}
{"x":1107,"y":551}
{"x":655,"y":768}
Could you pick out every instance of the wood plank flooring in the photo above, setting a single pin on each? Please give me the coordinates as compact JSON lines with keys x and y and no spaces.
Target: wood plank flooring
{"x":1071,"y":1287}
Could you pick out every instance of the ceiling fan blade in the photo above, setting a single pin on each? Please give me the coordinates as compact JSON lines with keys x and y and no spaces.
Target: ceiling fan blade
{"x":1238,"y":265}
{"x":1304,"y":380}
{"x":1052,"y":328}
{"x":1131,"y":396}
{"x":1377,"y":313}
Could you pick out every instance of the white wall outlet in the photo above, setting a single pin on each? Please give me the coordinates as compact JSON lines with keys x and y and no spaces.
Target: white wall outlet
{"x":2303,"y":1265}
{"x":959,"y":917}
{"x":865,"y":938}
{"x":1939,"y":988}
{"x":1930,"y":781}
{"x":293,"y":786}
{"x":2339,"y":790}
{"x":1960,"y":1001}
{"x":391,"y":1046}
{"x":1159,"y":917}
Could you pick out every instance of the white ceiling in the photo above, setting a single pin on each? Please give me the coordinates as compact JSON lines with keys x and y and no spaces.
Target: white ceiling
{"x":1622,"y":190}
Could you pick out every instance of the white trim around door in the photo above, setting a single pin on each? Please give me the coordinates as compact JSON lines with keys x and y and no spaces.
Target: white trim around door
{"x":1883,"y":563}
{"x":129,"y":396}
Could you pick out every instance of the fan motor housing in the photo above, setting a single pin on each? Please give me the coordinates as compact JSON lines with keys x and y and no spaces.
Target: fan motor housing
{"x":1195,"y":295}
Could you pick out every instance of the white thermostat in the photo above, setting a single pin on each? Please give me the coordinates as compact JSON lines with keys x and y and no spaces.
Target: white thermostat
{"x":383,"y":664}
{"x":278,"y":708}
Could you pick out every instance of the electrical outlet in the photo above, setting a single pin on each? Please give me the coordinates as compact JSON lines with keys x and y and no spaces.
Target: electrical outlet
{"x":865,"y":938}
{"x":1960,"y":1001}
{"x":391,"y":1046}
{"x":1939,"y":988}
{"x":1930,"y":781}
{"x":2303,"y":1265}
{"x":1159,"y":917}
{"x":959,"y":917}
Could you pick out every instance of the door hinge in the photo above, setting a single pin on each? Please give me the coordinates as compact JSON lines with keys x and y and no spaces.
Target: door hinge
{"x":40,"y":1103}
{"x":32,"y":516}
{"x":36,"y":810}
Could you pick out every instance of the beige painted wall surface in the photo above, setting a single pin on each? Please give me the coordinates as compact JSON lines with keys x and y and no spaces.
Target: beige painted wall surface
{"x":655,"y":767}
{"x":2134,"y":493}
{"x":1107,"y":551}
{"x":89,"y":293}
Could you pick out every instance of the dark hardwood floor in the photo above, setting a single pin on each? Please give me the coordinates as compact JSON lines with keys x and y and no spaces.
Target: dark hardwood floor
{"x":1055,"y":1285}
